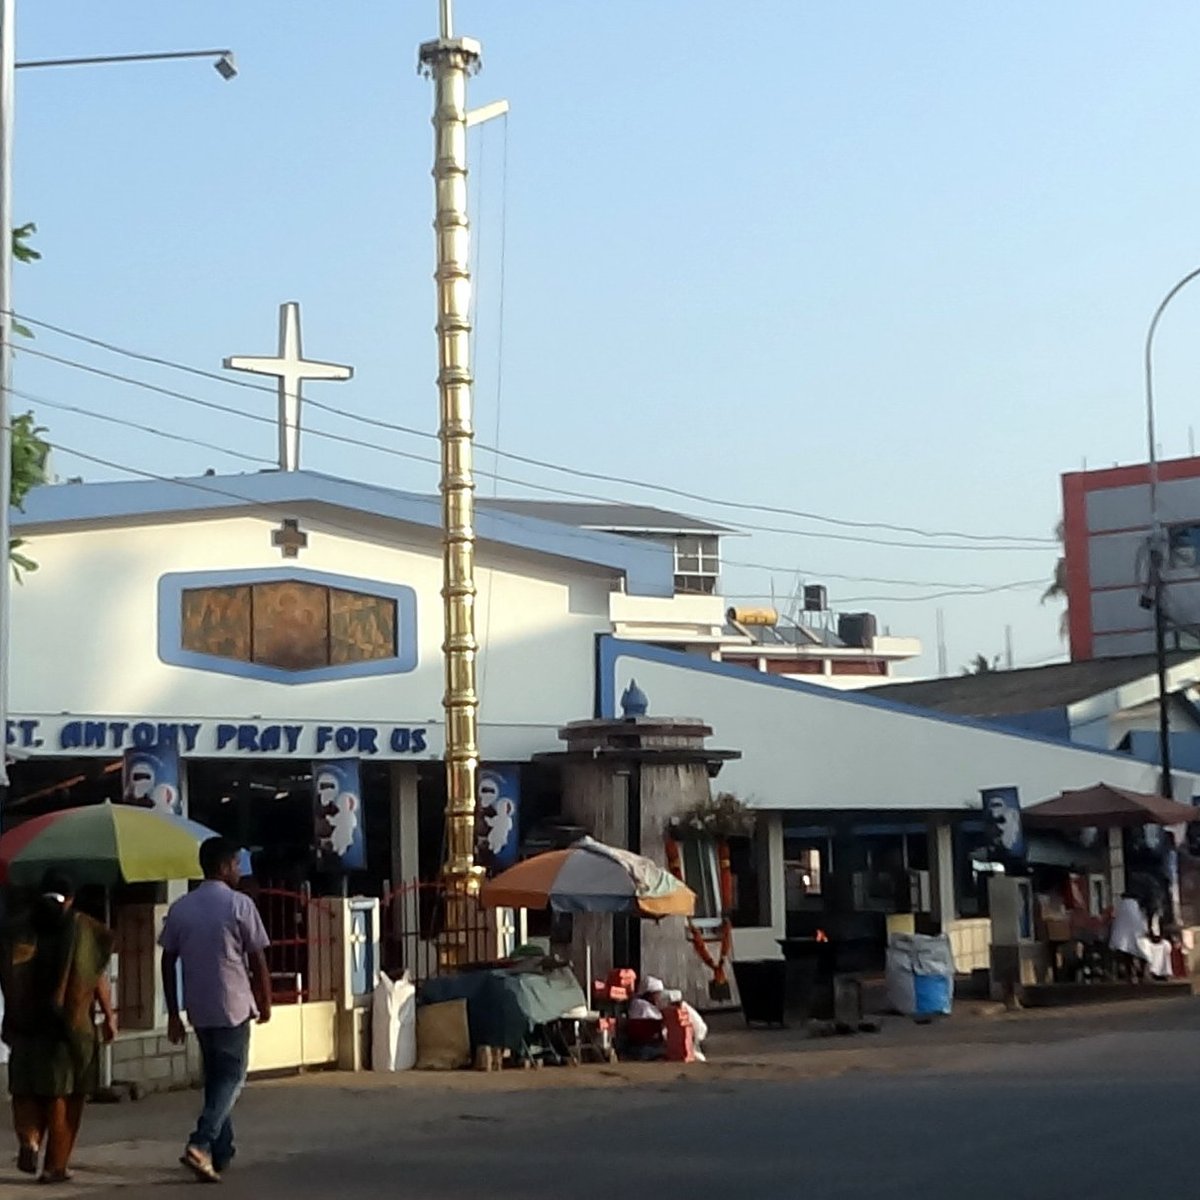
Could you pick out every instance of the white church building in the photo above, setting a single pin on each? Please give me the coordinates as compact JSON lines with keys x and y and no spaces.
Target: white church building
{"x":264,"y":621}
{"x":268,"y":626}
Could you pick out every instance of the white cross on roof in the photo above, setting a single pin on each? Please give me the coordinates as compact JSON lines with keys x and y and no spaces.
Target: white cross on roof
{"x":290,"y":367}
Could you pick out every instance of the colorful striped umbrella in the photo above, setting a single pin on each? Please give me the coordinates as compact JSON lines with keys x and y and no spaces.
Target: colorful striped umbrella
{"x":104,"y":844}
{"x":590,"y":877}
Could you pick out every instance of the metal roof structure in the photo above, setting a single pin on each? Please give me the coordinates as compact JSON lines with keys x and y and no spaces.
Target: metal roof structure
{"x":623,"y":518}
{"x":647,"y":566}
{"x":1005,"y":693}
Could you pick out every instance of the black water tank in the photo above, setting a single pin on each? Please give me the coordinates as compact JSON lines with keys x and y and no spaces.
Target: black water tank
{"x":858,"y":629}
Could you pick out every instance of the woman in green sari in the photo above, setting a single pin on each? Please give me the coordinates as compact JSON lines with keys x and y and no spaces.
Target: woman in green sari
{"x":52,"y":964}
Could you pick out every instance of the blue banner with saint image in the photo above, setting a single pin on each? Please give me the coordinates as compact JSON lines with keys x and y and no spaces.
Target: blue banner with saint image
{"x":1002,"y":813}
{"x":497,"y":819}
{"x":150,"y":778}
{"x":338,"y":816}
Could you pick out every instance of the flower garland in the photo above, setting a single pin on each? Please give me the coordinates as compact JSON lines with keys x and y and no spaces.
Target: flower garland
{"x":718,"y":965}
{"x":722,"y":816}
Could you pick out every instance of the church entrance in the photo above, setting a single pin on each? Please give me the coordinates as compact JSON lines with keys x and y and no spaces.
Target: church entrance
{"x":269,"y":807}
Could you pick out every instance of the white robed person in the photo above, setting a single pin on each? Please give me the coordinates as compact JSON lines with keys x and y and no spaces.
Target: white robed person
{"x":1132,"y":935}
{"x":648,"y":1004}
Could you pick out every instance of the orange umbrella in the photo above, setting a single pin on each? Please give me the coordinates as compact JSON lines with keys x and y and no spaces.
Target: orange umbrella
{"x":590,"y":877}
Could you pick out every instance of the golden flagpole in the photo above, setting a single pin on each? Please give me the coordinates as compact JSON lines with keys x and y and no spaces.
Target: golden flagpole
{"x":449,"y":62}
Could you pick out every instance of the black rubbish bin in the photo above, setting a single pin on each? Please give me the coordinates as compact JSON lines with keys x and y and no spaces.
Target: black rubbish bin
{"x":761,"y":986}
{"x":809,"y":965}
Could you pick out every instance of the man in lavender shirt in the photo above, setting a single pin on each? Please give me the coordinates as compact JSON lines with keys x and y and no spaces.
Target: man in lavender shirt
{"x":216,"y":932}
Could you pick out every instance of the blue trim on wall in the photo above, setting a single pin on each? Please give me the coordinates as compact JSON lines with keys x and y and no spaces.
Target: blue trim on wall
{"x":612,"y":648}
{"x":170,"y":620}
{"x":648,"y":567}
{"x":1185,"y":748}
{"x":1048,"y":722}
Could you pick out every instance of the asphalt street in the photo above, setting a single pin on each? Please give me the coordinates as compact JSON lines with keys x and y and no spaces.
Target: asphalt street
{"x":1107,"y":1114}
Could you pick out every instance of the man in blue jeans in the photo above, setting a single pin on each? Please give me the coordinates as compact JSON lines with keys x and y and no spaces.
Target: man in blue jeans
{"x":216,"y":933}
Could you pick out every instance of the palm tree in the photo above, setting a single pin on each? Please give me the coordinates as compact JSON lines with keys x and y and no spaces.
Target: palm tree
{"x":1057,"y":588}
{"x":982,"y":665}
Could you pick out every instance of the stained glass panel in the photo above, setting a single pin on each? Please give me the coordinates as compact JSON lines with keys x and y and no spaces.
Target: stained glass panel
{"x":291,"y":625}
{"x":216,"y":620}
{"x":362,"y":628}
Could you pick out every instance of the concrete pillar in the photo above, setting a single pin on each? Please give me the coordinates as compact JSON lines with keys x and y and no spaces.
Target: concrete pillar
{"x":403,"y":799}
{"x":1116,"y":861}
{"x":772,"y":823}
{"x":404,"y":906}
{"x":941,"y":872}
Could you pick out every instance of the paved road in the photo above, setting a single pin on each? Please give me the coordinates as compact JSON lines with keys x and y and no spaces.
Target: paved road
{"x":1035,"y":1118}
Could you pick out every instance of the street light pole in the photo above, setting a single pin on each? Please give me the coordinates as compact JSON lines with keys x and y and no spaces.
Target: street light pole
{"x":8,"y":59}
{"x":224,"y":63}
{"x":1158,"y":551}
{"x":224,"y":60}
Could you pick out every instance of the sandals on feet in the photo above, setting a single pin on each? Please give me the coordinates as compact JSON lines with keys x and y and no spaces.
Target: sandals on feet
{"x":55,"y":1177}
{"x":199,"y":1162}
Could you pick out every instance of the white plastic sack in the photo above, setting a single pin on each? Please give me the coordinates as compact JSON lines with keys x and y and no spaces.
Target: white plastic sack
{"x":394,"y":1025}
{"x":920,"y":974}
{"x":901,"y":992}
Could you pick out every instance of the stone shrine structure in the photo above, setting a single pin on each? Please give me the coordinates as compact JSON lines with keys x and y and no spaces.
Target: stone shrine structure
{"x":624,"y":780}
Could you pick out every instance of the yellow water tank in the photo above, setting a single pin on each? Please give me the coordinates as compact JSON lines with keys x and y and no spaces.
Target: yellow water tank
{"x":753,"y":616}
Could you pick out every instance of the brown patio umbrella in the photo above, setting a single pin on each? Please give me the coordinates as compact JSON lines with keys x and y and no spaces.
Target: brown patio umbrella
{"x":1103,"y":806}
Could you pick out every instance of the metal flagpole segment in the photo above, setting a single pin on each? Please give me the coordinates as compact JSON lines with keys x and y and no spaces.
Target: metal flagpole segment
{"x":449,"y":62}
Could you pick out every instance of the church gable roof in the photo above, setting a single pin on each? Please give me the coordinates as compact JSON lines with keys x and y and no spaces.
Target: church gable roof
{"x":648,"y":568}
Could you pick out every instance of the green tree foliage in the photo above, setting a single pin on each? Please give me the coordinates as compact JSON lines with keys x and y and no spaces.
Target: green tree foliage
{"x":982,"y":665}
{"x":30,"y":451}
{"x":1057,"y":588}
{"x":22,"y":250}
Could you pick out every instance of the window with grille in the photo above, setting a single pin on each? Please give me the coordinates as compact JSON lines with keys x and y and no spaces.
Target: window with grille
{"x":697,"y":564}
{"x":1183,"y":543}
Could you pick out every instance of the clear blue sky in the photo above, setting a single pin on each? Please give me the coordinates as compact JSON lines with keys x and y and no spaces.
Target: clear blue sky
{"x":889,"y":262}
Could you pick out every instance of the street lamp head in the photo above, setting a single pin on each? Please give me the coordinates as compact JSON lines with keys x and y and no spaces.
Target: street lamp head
{"x":225,"y":65}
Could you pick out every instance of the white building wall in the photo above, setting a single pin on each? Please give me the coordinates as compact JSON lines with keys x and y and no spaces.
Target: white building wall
{"x":807,"y":748}
{"x":85,"y":628}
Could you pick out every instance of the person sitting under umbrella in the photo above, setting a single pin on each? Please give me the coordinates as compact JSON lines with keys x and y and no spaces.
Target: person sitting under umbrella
{"x":1134,"y":941}
{"x":649,"y":1003}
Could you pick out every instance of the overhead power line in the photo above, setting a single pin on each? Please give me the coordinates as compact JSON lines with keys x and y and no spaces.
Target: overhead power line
{"x":959,"y":589}
{"x":577,"y":472}
{"x":1002,"y":587}
{"x":966,"y":592}
{"x":815,"y":576}
{"x":42,"y":401}
{"x":275,"y":506}
{"x":346,"y":439}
